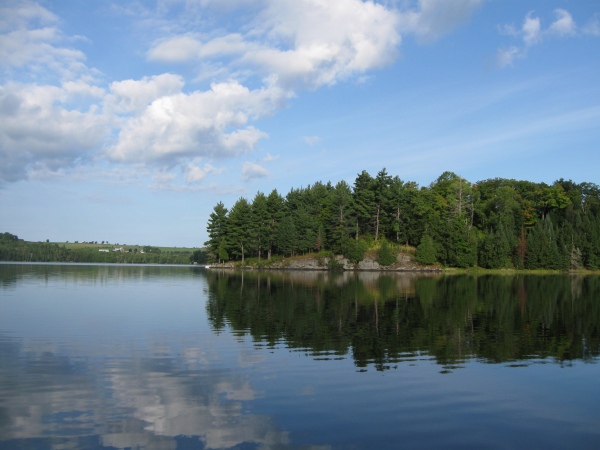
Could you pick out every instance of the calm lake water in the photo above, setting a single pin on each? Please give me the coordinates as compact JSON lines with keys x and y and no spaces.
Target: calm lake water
{"x":148,"y":357}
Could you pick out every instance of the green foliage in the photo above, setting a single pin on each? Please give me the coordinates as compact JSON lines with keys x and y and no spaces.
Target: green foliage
{"x":238,"y":229}
{"x":542,"y":248}
{"x":355,"y":250}
{"x":495,"y":223}
{"x":199,"y":257}
{"x":8,"y":238}
{"x":496,"y":250}
{"x":217,"y":230}
{"x":12,"y":249}
{"x":426,"y":252}
{"x":386,"y":255}
{"x":334,"y":264}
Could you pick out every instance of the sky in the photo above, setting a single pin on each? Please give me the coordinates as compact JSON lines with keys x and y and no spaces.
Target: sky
{"x":128,"y":121}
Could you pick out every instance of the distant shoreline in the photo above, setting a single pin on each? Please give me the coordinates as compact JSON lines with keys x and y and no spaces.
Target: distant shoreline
{"x":13,"y":249}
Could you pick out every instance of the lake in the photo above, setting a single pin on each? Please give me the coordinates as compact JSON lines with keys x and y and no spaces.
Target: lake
{"x":180,"y":357}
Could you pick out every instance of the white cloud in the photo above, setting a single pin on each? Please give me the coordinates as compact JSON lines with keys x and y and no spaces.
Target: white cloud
{"x":188,"y":47}
{"x":531,"y":30}
{"x":16,"y":13}
{"x":211,"y":123}
{"x":299,"y":43}
{"x":129,"y":96}
{"x":251,"y":171}
{"x":532,"y":33}
{"x":564,"y":24}
{"x":30,"y":41}
{"x":60,"y":115}
{"x":506,"y":56}
{"x":432,"y":19}
{"x":38,"y":131}
{"x":193,"y":172}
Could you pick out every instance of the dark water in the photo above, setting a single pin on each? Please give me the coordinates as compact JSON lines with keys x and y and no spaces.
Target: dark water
{"x":146,"y":357}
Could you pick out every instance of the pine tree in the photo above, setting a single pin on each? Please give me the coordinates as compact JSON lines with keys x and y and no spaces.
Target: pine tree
{"x":239,"y":231}
{"x":259,"y":220}
{"x":426,"y":252}
{"x":217,"y":229}
{"x":364,"y":203}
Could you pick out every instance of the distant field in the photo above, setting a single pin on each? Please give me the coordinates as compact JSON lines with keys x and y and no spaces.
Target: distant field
{"x":126,"y":247}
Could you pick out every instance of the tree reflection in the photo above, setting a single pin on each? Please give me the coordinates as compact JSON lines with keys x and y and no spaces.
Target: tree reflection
{"x":386,"y":319}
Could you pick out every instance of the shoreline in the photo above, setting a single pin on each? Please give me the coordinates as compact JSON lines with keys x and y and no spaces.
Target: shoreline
{"x":404,"y":264}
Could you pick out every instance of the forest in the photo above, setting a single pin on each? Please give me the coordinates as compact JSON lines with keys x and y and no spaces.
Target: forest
{"x":493,"y":224}
{"x":14,"y":249}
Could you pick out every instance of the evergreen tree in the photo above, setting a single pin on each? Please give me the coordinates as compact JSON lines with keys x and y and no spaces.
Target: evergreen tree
{"x":495,"y":250}
{"x":275,"y":209}
{"x":398,"y":208}
{"x":259,"y":224}
{"x":426,"y":252}
{"x":341,"y":216}
{"x":382,"y":197}
{"x":287,"y":239}
{"x":542,"y":248}
{"x":217,"y":229}
{"x":364,"y":203}
{"x":239,"y":229}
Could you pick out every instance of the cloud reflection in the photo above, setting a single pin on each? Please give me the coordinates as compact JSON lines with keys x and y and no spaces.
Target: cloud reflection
{"x":139,"y":403}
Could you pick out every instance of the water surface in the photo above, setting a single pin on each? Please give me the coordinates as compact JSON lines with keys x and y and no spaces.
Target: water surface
{"x":156,"y":357}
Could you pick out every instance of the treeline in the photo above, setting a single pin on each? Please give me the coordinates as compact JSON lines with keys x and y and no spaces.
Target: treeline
{"x":14,"y":249}
{"x":495,"y":223}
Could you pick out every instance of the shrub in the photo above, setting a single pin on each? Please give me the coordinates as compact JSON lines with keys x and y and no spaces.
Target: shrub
{"x":355,"y":250}
{"x":385,"y":255}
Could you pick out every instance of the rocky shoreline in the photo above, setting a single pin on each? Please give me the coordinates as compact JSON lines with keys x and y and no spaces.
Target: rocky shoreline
{"x":404,"y":263}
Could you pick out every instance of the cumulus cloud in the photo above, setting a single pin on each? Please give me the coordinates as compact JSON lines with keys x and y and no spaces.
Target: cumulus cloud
{"x":251,"y":171}
{"x":63,"y":114}
{"x":130,"y":96}
{"x":50,"y":119}
{"x":38,"y":131}
{"x":212,"y":123}
{"x":299,"y":43}
{"x":532,"y":33}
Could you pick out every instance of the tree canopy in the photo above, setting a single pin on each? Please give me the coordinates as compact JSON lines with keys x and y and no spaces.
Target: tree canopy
{"x":494,"y":223}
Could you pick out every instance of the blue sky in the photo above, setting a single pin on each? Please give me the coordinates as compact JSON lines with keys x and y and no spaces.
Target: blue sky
{"x":128,"y":121}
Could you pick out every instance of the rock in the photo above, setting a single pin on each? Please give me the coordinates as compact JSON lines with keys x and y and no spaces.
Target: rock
{"x":368,"y":264}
